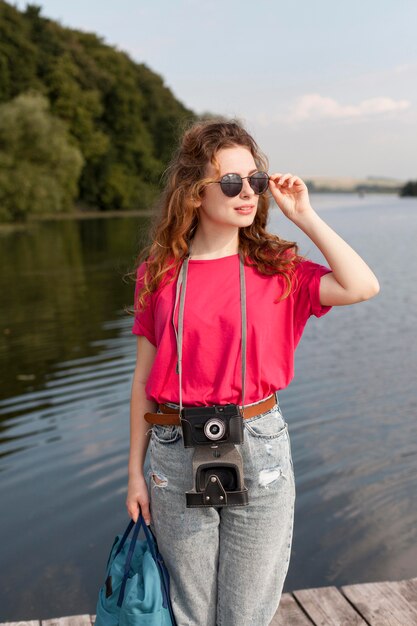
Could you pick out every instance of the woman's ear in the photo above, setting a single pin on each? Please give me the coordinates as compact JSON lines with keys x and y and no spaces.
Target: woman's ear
{"x":197,"y":194}
{"x":196,"y":200}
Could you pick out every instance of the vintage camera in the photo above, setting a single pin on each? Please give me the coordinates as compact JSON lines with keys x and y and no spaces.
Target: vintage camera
{"x":208,"y":425}
{"x":214,"y":432}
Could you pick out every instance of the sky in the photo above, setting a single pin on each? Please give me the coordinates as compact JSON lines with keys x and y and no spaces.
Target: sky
{"x":327,"y":88}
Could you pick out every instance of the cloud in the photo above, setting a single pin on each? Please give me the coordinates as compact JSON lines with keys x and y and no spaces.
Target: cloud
{"x":313,"y":106}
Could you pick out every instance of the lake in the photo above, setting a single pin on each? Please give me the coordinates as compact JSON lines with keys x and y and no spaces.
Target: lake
{"x":67,"y":357}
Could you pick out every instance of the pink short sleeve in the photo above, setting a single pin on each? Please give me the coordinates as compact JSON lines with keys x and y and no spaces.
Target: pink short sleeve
{"x":307,"y":294}
{"x":144,"y":318}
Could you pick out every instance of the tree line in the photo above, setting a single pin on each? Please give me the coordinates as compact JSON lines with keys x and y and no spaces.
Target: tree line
{"x":80,"y":122}
{"x":409,"y":189}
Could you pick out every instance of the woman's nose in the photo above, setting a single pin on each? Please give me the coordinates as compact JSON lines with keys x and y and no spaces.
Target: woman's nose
{"x":247,"y":190}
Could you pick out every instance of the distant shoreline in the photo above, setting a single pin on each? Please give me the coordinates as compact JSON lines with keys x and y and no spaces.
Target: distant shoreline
{"x":355,"y":192}
{"x":90,"y":214}
{"x":6,"y":227}
{"x":349,"y":184}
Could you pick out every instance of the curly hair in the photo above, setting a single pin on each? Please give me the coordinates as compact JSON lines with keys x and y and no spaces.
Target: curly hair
{"x":178,"y":217}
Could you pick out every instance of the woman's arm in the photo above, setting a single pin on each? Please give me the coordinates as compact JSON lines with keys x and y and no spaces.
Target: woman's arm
{"x":137,"y":496}
{"x":351,"y":279}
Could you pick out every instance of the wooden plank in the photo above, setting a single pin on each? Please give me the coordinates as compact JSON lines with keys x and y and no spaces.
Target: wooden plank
{"x":326,"y":606}
{"x":289,"y":612}
{"x":71,"y":620}
{"x":381,"y":604}
{"x":407,"y":588}
{"x":22,"y":623}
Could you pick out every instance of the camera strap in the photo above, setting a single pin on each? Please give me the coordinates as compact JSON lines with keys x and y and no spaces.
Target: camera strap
{"x":180,"y":296}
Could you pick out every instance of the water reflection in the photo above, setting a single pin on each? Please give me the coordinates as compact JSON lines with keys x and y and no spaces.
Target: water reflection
{"x":59,"y":281}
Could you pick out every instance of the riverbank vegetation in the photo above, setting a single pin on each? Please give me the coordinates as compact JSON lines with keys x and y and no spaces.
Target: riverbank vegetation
{"x":409,"y":189}
{"x":81,"y":124}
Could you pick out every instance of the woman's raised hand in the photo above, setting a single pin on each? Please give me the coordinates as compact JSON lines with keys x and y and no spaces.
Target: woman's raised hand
{"x":137,"y":499}
{"x":291,"y":195}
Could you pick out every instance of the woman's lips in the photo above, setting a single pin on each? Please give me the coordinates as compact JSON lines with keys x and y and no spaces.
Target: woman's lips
{"x":245,"y":210}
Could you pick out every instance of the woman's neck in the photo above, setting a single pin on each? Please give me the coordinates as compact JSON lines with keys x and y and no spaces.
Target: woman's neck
{"x":206,"y":248}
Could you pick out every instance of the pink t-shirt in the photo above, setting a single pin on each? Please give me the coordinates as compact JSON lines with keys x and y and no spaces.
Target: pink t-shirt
{"x":212,"y":332}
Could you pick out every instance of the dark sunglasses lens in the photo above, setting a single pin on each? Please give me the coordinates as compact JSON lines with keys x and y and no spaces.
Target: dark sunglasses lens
{"x":231,"y":185}
{"x":259,"y":182}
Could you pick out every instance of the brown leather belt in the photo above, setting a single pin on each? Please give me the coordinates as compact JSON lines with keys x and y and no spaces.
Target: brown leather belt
{"x":171,"y":417}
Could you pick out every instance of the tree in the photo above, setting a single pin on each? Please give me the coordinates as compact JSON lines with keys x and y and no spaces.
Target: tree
{"x":119,"y":114}
{"x":39,"y":165}
{"x":409,"y":189}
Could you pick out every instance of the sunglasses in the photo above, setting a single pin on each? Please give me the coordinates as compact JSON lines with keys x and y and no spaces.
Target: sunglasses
{"x":231,"y":184}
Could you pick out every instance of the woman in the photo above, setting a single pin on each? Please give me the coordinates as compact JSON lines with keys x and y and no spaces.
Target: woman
{"x":227,"y":563}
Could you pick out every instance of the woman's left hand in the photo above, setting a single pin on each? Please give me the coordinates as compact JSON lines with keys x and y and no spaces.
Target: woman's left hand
{"x":291,"y":195}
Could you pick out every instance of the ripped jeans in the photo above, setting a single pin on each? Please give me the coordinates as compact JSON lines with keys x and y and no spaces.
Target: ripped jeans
{"x":227,"y":565}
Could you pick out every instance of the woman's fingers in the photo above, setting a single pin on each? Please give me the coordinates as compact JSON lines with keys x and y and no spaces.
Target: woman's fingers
{"x":135,"y":506}
{"x":285,"y":181}
{"x":275,"y":177}
{"x":132,"y":509}
{"x":279,"y":178}
{"x":145,"y":512}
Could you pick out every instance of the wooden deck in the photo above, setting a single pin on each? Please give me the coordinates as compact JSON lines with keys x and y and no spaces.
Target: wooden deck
{"x":375,"y":604}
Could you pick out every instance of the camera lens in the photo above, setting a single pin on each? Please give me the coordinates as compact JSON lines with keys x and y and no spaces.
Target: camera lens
{"x":214,"y":429}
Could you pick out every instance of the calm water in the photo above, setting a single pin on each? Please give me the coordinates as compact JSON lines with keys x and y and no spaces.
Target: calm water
{"x":67,"y":357}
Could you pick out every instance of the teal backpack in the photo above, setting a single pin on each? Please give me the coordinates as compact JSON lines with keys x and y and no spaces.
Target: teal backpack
{"x":136,"y":589}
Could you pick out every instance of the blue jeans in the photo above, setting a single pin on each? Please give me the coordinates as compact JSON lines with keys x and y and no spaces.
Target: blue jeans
{"x":227,"y":565}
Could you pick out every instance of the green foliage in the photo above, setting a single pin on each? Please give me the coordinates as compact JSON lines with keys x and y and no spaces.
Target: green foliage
{"x":39,"y":167}
{"x":118,"y":113}
{"x":409,"y":189}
